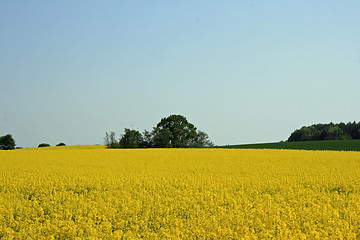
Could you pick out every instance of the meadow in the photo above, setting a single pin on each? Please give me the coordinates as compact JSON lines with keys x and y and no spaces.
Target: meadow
{"x":91,"y":192}
{"x":337,"y":145}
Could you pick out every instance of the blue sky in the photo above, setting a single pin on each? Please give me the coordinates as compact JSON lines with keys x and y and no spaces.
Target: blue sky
{"x":242,"y":71}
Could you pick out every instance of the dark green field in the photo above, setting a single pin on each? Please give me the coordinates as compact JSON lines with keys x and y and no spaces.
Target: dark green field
{"x":338,"y":145}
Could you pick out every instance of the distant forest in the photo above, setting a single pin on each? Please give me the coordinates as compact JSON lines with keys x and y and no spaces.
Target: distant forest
{"x":331,"y":131}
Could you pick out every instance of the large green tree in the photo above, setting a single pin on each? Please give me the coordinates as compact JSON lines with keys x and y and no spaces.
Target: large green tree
{"x":7,"y":142}
{"x":174,"y":132}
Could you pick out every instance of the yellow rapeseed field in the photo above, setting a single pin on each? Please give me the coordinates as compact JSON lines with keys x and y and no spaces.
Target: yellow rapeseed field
{"x":97,"y":193}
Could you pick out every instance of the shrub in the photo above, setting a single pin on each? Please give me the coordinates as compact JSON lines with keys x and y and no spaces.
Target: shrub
{"x":44,"y":145}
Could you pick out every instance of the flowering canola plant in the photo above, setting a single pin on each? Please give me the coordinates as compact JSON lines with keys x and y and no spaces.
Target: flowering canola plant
{"x":97,"y":193}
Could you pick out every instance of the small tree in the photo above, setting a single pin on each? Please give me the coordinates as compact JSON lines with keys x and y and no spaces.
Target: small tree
{"x":113,"y":142}
{"x":107,"y":140}
{"x":202,"y":140}
{"x":7,"y":142}
{"x":110,"y":140}
{"x":131,"y":139}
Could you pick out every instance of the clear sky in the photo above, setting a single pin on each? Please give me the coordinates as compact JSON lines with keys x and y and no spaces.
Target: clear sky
{"x":242,"y":71}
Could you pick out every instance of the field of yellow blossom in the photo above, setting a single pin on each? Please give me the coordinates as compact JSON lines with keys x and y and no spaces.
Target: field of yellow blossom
{"x":97,"y":193}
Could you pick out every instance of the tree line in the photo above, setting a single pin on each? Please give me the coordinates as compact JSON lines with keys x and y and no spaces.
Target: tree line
{"x":176,"y":132}
{"x":331,"y":131}
{"x":171,"y":132}
{"x":7,"y":142}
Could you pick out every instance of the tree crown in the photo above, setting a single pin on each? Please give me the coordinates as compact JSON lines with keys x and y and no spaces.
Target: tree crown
{"x":7,"y":142}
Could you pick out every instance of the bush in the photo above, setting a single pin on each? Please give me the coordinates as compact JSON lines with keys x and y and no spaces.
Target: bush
{"x":44,"y":145}
{"x":61,"y":144}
